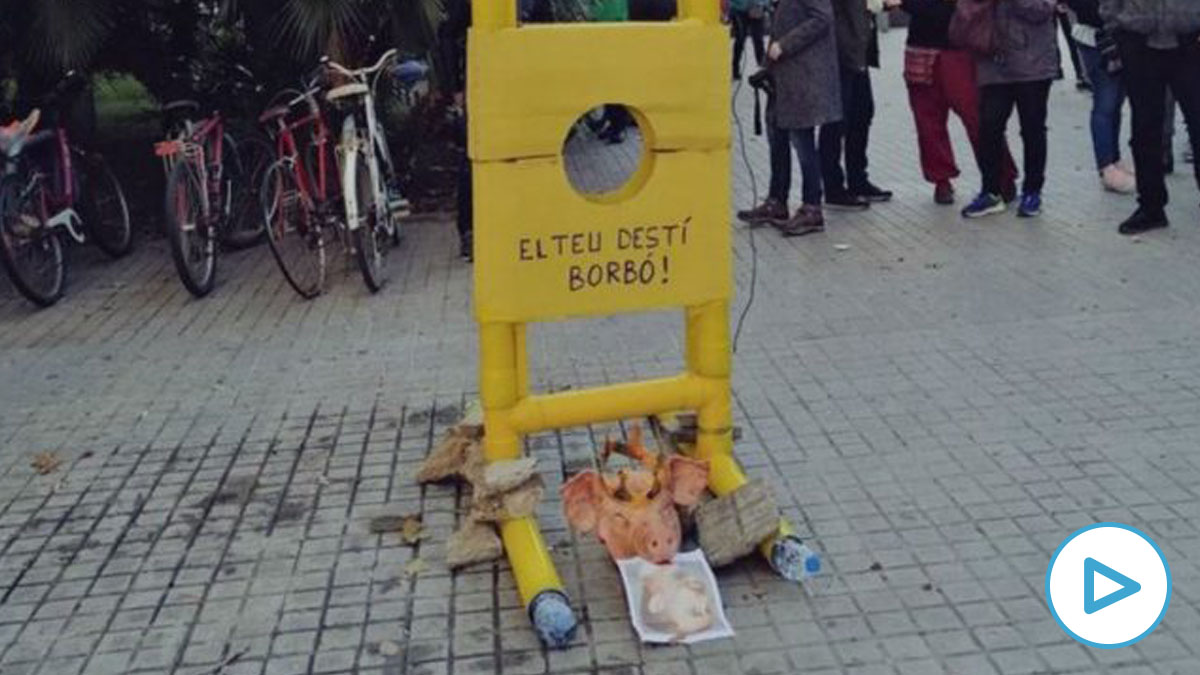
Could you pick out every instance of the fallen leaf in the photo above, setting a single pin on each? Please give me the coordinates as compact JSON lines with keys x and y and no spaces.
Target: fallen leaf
{"x":414,"y":567}
{"x":389,"y":648}
{"x":45,"y":462}
{"x":408,"y":526}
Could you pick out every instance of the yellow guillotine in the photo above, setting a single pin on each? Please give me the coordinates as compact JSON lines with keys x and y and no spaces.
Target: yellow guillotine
{"x":545,"y":252}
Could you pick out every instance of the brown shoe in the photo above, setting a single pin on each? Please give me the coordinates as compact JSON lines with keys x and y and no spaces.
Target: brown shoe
{"x":769,"y":212}
{"x":808,"y":220}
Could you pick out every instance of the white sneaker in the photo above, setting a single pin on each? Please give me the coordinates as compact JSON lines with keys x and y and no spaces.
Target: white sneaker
{"x":1116,"y":179}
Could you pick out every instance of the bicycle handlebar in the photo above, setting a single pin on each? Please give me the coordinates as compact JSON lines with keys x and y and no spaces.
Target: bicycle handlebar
{"x":360,"y":72}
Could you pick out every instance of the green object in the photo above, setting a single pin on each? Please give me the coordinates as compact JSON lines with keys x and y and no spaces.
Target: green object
{"x":610,"y":10}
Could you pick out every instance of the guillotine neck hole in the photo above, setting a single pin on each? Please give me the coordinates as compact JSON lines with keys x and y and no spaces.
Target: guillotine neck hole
{"x":605,"y":153}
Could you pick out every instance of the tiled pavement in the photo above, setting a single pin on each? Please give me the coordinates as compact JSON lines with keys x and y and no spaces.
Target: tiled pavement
{"x":937,"y":407}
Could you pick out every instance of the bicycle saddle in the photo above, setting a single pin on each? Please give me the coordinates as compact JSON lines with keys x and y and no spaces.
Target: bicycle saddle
{"x":347,"y":90}
{"x":13,"y":135}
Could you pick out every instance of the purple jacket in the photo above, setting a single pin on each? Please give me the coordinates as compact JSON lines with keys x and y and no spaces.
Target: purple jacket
{"x":1027,"y":35}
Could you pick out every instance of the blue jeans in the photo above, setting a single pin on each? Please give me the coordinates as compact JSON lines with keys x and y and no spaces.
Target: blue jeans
{"x":1108,"y":94}
{"x":805,"y":143}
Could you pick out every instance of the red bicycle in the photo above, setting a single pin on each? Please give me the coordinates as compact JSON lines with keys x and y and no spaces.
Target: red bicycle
{"x":301,"y":203}
{"x":211,"y":192}
{"x":44,"y":179}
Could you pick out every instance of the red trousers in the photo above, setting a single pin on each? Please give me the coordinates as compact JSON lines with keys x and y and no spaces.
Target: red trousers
{"x":953,"y":87}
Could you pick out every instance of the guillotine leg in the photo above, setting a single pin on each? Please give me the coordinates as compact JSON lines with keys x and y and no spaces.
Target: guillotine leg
{"x":708,"y":355}
{"x":503,"y":382}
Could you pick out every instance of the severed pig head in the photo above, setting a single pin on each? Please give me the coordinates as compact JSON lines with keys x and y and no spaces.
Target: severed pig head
{"x":633,"y":510}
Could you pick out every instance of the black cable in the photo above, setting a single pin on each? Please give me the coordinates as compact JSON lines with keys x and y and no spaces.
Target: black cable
{"x":741,"y":322}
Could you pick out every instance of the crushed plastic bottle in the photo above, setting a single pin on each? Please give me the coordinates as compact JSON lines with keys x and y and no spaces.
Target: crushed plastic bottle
{"x":794,"y":560}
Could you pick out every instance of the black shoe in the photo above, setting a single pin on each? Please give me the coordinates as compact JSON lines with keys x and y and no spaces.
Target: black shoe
{"x":1141,"y":222}
{"x":872,"y":193}
{"x":847,"y":202}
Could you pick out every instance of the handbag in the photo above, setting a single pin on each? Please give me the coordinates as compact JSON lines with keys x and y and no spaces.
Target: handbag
{"x":973,"y":27}
{"x":918,"y":65}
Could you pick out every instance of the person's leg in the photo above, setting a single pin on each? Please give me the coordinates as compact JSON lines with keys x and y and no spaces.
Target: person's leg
{"x":1169,"y":134}
{"x":1106,"y":108}
{"x":465,"y":216}
{"x":737,"y":23}
{"x":995,"y":106}
{"x":1032,"y":101}
{"x":781,"y":161}
{"x":810,"y":166}
{"x":959,"y":85}
{"x":858,"y":132}
{"x":1146,"y":83}
{"x":758,"y":32}
{"x":1186,"y":87}
{"x":930,"y":114}
{"x":831,"y":145}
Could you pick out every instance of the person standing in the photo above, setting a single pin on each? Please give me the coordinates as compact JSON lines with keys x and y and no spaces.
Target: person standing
{"x":804,"y":68}
{"x":848,"y":138}
{"x":774,"y":209}
{"x":1159,"y":44}
{"x":452,"y":45}
{"x":1018,"y":75}
{"x":941,"y":79}
{"x":747,"y":19}
{"x":1108,"y":94}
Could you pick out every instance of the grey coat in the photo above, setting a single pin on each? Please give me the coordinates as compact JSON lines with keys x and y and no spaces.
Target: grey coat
{"x":807,"y":87}
{"x":1150,"y":17}
{"x":1027,"y":35}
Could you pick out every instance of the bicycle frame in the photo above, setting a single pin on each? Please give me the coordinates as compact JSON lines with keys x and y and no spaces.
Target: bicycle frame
{"x":57,"y":198}
{"x":314,"y":184}
{"x":193,"y":147}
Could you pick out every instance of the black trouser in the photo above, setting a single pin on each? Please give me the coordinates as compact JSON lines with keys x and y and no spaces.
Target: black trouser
{"x":744,"y":26}
{"x":781,"y":159}
{"x":996,"y":104}
{"x":1148,"y":74}
{"x":464,"y":206}
{"x":849,"y":137}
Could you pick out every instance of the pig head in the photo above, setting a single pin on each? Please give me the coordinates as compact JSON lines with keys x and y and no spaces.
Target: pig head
{"x":633,"y":511}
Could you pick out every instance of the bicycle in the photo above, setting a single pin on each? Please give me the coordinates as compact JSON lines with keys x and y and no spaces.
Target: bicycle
{"x":44,"y":180}
{"x":300,"y":204}
{"x":367,"y":183}
{"x":211,"y":192}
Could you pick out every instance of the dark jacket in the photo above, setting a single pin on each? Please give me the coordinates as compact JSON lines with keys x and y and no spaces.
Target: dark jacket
{"x":853,"y":31}
{"x":807,"y":89}
{"x":1150,"y":17}
{"x":1027,"y":34}
{"x":1087,"y":11}
{"x":930,"y":24}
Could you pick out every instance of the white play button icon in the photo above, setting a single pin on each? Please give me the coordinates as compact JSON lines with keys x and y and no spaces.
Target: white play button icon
{"x":1108,"y":585}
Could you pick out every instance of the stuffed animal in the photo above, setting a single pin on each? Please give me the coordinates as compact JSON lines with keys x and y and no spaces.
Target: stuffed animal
{"x":633,"y":511}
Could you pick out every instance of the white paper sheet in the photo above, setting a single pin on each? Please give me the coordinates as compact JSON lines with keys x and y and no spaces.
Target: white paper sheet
{"x":675,"y":603}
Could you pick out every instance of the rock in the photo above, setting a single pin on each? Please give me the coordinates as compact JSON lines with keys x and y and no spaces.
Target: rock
{"x":517,"y":503}
{"x":474,"y":542}
{"x":505,"y":475}
{"x":733,"y":526}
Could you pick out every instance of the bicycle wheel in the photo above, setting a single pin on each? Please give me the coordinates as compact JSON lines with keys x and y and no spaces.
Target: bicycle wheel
{"x":370,"y":237}
{"x":103,"y":207}
{"x":294,"y":230}
{"x":245,"y":165}
{"x":193,"y":244}
{"x":32,"y":253}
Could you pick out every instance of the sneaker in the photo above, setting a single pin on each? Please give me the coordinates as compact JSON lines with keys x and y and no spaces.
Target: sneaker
{"x":808,"y":220}
{"x":1142,"y":221}
{"x":1031,"y":205}
{"x":1115,"y":179}
{"x":845,"y":201}
{"x":872,"y":192}
{"x":986,"y":204}
{"x":769,"y":212}
{"x":943,"y":192}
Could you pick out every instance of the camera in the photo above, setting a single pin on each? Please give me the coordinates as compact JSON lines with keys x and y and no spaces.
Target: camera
{"x":762,"y":80}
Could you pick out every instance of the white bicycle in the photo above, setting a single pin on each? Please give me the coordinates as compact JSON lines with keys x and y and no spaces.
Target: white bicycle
{"x":373,"y":204}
